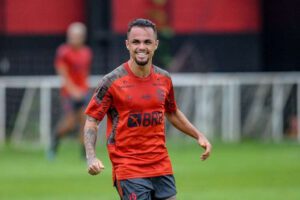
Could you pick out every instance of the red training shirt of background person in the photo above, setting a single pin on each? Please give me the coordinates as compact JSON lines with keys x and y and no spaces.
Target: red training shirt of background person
{"x":77,"y":63}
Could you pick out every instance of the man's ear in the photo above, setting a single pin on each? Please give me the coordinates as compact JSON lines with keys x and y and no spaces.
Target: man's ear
{"x":157,"y":43}
{"x":127,"y":44}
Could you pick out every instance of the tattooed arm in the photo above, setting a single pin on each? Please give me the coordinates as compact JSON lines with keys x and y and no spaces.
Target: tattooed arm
{"x":95,"y":165}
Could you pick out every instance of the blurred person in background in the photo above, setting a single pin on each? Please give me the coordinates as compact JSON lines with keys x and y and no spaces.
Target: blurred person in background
{"x":72,"y":63}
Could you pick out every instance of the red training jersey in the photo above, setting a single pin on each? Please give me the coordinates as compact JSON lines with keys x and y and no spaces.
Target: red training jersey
{"x":135,"y":110}
{"x":77,"y":63}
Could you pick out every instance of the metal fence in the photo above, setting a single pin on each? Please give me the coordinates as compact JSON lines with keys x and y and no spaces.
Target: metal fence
{"x":229,"y":106}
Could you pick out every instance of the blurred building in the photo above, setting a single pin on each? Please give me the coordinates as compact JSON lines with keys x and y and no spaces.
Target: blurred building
{"x":197,"y":35}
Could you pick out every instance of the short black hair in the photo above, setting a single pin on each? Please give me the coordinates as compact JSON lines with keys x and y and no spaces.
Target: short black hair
{"x":140,"y":22}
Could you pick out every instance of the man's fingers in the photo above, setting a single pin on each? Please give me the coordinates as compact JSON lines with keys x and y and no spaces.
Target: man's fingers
{"x":95,"y":168}
{"x":100,"y":165}
{"x":206,"y":154}
{"x":93,"y":171}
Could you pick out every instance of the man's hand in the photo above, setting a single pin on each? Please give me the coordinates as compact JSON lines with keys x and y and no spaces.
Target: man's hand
{"x":70,"y":86}
{"x":204,"y":143}
{"x":95,"y":166}
{"x":76,"y":93}
{"x":179,"y":120}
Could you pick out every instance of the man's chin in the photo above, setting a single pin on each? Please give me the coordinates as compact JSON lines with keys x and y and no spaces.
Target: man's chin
{"x":142,"y":63}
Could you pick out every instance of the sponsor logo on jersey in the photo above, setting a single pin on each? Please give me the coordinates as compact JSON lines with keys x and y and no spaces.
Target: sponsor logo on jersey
{"x":145,"y":119}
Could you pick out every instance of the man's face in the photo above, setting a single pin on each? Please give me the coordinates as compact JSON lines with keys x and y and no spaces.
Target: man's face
{"x":76,"y":38}
{"x":141,"y":43}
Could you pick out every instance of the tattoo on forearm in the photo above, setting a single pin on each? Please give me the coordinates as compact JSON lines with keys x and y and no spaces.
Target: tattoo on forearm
{"x":90,"y":138}
{"x":91,"y":119}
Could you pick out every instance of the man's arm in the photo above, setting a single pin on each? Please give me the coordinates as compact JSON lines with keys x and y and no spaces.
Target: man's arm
{"x":95,"y":165}
{"x":70,"y":86}
{"x":179,"y":120}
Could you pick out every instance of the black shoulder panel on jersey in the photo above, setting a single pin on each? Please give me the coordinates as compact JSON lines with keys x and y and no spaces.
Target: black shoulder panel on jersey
{"x":159,"y":70}
{"x":107,"y":81}
{"x":115,"y":120}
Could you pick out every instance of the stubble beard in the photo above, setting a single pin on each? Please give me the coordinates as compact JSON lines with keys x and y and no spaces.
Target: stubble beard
{"x":141,"y":63}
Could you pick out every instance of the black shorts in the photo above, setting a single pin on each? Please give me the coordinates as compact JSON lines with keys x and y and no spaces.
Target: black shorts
{"x":154,"y":188}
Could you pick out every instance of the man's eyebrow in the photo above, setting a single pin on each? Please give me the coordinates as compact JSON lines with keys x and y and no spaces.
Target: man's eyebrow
{"x":137,"y":40}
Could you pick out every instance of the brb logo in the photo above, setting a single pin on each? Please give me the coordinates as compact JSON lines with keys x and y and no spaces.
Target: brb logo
{"x":145,"y":119}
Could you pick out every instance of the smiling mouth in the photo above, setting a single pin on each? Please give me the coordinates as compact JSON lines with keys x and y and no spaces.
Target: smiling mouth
{"x":142,"y":54}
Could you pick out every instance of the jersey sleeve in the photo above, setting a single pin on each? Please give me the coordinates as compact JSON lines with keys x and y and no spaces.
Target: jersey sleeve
{"x":170,"y":104}
{"x":100,"y":102}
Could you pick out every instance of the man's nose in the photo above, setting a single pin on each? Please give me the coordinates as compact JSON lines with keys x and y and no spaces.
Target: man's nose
{"x":142,"y":45}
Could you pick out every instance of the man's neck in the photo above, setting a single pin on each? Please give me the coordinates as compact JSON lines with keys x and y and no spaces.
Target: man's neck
{"x":140,"y":71}
{"x":75,"y":47}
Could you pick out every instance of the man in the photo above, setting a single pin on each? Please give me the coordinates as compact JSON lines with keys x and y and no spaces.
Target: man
{"x":136,"y":96}
{"x":72,"y":63}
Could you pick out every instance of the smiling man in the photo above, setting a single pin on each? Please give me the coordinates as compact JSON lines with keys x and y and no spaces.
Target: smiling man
{"x":136,"y":97}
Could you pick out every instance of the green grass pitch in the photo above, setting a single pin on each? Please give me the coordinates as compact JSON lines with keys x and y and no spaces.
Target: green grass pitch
{"x":246,"y":171}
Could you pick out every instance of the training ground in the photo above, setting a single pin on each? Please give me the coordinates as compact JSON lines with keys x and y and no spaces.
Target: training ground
{"x":246,"y":171}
